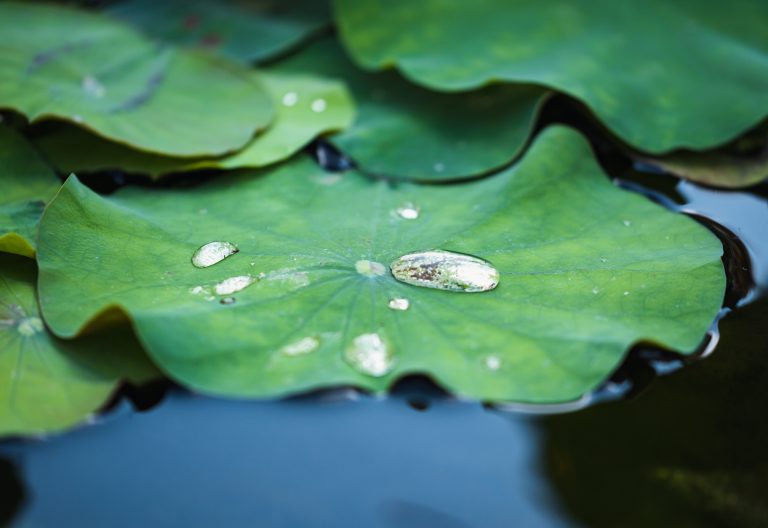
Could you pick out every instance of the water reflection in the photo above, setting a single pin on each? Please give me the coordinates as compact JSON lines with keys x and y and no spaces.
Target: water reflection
{"x":196,"y":461}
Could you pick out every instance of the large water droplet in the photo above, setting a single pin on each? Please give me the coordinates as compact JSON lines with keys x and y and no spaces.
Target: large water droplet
{"x":445,"y":270}
{"x":370,"y":268}
{"x":301,"y":347}
{"x":408,"y":212}
{"x":233,"y":284}
{"x":399,"y":303}
{"x":213,"y":253}
{"x":30,"y":326}
{"x":369,"y":354}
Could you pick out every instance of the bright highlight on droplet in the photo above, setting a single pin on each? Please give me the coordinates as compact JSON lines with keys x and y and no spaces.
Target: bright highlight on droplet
{"x":319,"y":105}
{"x":290,"y":98}
{"x":445,"y":270}
{"x":408,"y":211}
{"x":30,"y":326}
{"x":369,"y":354}
{"x":93,"y":87}
{"x":399,"y":303}
{"x":301,"y":347}
{"x":213,"y":253}
{"x":233,"y":284}
{"x":493,"y":362}
{"x":370,"y":268}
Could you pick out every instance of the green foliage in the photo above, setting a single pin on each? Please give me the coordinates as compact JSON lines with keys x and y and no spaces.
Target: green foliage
{"x":87,"y":69}
{"x":26,"y":183}
{"x":586,"y":270}
{"x":660,"y":75}
{"x":50,"y":384}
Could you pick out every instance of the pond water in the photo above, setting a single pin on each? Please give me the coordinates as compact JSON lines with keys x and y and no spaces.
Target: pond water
{"x":685,"y":449}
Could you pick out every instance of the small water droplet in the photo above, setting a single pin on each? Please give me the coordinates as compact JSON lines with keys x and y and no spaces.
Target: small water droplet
{"x":595,"y":290}
{"x":77,"y":118}
{"x":30,"y":326}
{"x":290,"y":98}
{"x":439,"y":167}
{"x":370,"y":268}
{"x":93,"y":87}
{"x":626,"y":293}
{"x":319,"y":105}
{"x":408,"y":211}
{"x":213,"y":253}
{"x":233,"y":285}
{"x":227,"y":300}
{"x":627,"y":223}
{"x":399,"y":303}
{"x":301,"y":347}
{"x":493,"y":362}
{"x":203,"y":211}
{"x":445,"y":270}
{"x":369,"y":354}
{"x":603,"y":259}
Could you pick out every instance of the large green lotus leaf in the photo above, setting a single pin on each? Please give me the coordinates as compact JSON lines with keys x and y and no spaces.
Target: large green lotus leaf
{"x":317,"y":105}
{"x":657,"y":73}
{"x":58,"y":62}
{"x":26,"y":184}
{"x":406,"y":131}
{"x":50,"y":384}
{"x":742,"y":163}
{"x":586,"y":270}
{"x":242,"y":30}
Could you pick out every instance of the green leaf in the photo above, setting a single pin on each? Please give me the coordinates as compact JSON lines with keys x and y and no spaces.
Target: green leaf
{"x":659,"y":74}
{"x":26,"y":184}
{"x":93,"y":71}
{"x":586,"y":270}
{"x":406,"y":131}
{"x":740,"y":164}
{"x":49,"y":384}
{"x":240,"y":30}
{"x":74,"y":150}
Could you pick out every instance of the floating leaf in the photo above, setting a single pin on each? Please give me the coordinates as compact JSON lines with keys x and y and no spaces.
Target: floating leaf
{"x":661,"y":75}
{"x":26,"y":184}
{"x":585,"y":270}
{"x":296,"y":124}
{"x":93,"y":71}
{"x":50,"y":384}
{"x":740,"y":164}
{"x":406,"y":131}
{"x":240,"y":30}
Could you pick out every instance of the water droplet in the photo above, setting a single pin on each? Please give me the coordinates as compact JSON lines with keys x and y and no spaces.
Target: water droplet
{"x":319,"y":105}
{"x":399,"y":303}
{"x":30,"y":326}
{"x":93,"y":87}
{"x":493,"y":362}
{"x":603,"y":259}
{"x":227,"y":300}
{"x":627,"y":223}
{"x":626,"y":293}
{"x":290,"y":98}
{"x":408,"y":211}
{"x":369,"y":354}
{"x":77,"y":118}
{"x":233,"y":285}
{"x":213,"y":253}
{"x":301,"y":347}
{"x":595,"y":290}
{"x":439,"y":167}
{"x":369,"y":268}
{"x":203,"y":211}
{"x":445,"y":270}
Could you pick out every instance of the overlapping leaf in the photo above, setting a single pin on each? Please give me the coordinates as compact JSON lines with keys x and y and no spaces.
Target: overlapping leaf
{"x":586,"y":270}
{"x":308,"y":106}
{"x":661,"y":75}
{"x":50,"y":384}
{"x":244,"y":31}
{"x":26,"y":184}
{"x":85,"y":68}
{"x":406,"y":131}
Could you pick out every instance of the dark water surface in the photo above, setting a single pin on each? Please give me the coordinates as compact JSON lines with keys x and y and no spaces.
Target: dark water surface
{"x":688,"y":451}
